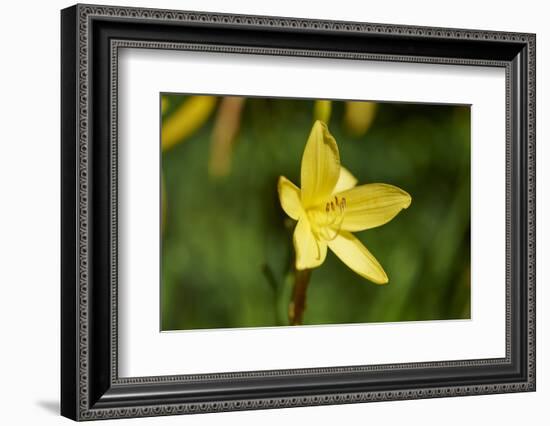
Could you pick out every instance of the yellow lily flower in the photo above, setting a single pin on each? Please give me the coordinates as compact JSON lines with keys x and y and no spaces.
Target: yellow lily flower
{"x":329,"y":207}
{"x":359,"y":116}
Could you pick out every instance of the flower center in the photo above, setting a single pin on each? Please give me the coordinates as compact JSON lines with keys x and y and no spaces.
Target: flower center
{"x":327,"y":221}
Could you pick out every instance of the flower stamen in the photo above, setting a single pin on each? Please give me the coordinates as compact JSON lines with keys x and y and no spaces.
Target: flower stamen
{"x":334,"y":218}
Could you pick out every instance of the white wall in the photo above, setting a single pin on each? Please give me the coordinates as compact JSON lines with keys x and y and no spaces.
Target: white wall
{"x":29,"y":211}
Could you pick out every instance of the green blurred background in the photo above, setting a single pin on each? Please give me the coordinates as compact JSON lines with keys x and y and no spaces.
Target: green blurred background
{"x":227,"y":245}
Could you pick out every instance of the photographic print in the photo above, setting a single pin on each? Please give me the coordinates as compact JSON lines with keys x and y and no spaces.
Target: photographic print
{"x":288,"y":212}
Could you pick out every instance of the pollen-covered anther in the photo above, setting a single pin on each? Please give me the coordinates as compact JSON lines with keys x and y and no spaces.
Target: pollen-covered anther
{"x":338,"y":204}
{"x":332,"y":224}
{"x":341,"y":204}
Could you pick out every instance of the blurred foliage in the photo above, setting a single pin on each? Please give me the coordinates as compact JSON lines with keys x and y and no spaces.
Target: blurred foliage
{"x":227,"y":245}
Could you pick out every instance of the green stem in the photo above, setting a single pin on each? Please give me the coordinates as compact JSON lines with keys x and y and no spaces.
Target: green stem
{"x":274,"y":285}
{"x":297,"y":305}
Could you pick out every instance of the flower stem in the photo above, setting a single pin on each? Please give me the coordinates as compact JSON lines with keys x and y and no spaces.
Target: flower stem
{"x":226,"y":127}
{"x":297,"y":305}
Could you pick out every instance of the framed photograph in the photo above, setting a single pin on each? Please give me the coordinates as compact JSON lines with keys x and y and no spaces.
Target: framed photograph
{"x":263,"y":212}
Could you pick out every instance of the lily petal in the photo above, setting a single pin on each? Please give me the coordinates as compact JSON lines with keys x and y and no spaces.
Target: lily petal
{"x":289,"y":196}
{"x":372,"y":205}
{"x":187,"y":119}
{"x":345,"y":181}
{"x":310,"y":252}
{"x":356,"y":256}
{"x":320,"y":166}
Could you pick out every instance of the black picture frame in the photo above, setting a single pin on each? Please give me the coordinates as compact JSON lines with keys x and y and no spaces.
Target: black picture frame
{"x":90,"y":386}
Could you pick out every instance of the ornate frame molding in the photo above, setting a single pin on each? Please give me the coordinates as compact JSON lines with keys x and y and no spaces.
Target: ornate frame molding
{"x":78,"y":338}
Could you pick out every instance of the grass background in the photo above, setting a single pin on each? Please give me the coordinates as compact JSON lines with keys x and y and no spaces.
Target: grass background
{"x":227,"y":244}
